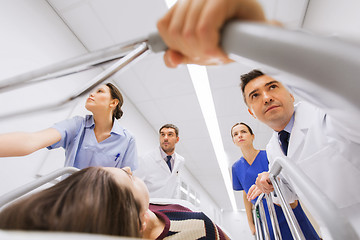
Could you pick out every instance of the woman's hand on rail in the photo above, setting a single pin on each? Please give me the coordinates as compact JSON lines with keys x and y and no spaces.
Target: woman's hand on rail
{"x":253,"y":192}
{"x":191,"y":29}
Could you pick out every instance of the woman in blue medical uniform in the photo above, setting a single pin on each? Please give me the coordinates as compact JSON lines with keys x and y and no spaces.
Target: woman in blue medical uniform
{"x":244,"y":174}
{"x":93,"y":140}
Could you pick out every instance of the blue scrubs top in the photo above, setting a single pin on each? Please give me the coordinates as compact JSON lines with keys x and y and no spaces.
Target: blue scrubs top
{"x":82,"y":149}
{"x":244,"y":176}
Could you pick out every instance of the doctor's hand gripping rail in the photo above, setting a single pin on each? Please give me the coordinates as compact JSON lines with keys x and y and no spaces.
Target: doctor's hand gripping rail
{"x":310,"y":57}
{"x":18,"y":192}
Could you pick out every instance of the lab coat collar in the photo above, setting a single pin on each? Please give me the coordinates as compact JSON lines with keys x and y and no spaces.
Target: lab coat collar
{"x":301,"y":125}
{"x":177,"y":161}
{"x":164,"y":155}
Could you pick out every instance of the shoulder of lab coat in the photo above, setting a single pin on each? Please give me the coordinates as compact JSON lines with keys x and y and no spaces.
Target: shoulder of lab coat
{"x":323,"y":153}
{"x":340,"y":112}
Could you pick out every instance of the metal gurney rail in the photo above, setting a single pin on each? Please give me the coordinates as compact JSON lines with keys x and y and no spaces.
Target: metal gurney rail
{"x":273,"y":46}
{"x":336,"y":223}
{"x":18,"y":192}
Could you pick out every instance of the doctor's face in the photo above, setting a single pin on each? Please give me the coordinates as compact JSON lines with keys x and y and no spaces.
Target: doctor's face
{"x":168,"y":139}
{"x":269,"y":101}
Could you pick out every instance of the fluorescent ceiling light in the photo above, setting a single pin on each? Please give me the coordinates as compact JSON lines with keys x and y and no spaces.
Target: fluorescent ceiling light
{"x":170,"y":3}
{"x":201,"y":84}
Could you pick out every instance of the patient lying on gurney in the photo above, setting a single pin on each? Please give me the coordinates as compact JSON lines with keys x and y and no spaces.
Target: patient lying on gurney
{"x":105,"y":201}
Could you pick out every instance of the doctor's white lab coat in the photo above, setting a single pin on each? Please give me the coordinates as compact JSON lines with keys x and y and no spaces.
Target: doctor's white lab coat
{"x":324,"y":150}
{"x":156,"y":174}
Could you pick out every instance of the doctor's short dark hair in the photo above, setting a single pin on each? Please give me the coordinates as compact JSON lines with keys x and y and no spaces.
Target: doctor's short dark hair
{"x":247,"y":77}
{"x":169,"y":125}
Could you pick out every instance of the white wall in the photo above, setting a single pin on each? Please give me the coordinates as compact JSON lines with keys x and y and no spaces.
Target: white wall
{"x":35,"y":37}
{"x":334,"y":18}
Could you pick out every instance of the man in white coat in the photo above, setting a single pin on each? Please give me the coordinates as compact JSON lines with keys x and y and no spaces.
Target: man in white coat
{"x":319,"y":143}
{"x":159,"y":169}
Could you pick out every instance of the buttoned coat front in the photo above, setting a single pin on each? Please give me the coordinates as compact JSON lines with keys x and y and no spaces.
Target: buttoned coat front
{"x":156,"y":174}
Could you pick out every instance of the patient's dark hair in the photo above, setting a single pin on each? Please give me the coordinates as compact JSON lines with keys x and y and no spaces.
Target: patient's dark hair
{"x":88,"y":201}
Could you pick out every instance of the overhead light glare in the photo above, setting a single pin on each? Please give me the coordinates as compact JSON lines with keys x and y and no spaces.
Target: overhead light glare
{"x":170,"y":3}
{"x":201,"y":84}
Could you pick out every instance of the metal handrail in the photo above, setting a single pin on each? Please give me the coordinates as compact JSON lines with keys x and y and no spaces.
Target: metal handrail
{"x":273,"y":218}
{"x":141,"y":50}
{"x":265,"y":44}
{"x":263,"y":228}
{"x":264,"y":224}
{"x":338,"y":226}
{"x":18,"y":192}
{"x":70,"y":66}
{"x":289,"y":214}
{"x":314,"y":59}
{"x":281,"y":48}
{"x":258,"y":229}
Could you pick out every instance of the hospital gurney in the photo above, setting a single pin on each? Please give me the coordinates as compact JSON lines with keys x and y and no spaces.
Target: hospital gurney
{"x":257,"y":42}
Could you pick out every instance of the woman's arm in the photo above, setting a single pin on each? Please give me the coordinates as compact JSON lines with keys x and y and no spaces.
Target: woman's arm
{"x":248,"y":208}
{"x":23,"y":143}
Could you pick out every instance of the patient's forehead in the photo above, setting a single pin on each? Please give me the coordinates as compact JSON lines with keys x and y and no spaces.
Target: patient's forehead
{"x":117,"y":173}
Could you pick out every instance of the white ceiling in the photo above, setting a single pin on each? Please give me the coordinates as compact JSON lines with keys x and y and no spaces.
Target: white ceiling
{"x":166,"y":95}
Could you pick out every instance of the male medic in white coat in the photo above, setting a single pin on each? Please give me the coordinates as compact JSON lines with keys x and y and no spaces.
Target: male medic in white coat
{"x":159,"y":169}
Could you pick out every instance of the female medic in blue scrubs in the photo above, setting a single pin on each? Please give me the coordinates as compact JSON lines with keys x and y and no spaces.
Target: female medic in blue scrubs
{"x":244,"y":174}
{"x":93,"y":140}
